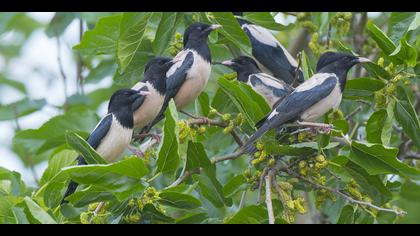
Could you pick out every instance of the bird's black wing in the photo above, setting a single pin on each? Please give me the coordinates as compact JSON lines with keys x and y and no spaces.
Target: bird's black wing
{"x":173,"y":84}
{"x":292,"y":107}
{"x":177,"y":78}
{"x":138,"y":102}
{"x":274,"y":59}
{"x":277,"y":87}
{"x":94,"y":141}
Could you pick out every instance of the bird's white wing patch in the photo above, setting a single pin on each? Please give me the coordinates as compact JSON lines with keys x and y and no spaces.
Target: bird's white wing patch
{"x":179,"y":58}
{"x":270,"y":80}
{"x":315,"y":80}
{"x":261,"y":34}
{"x":139,"y":85}
{"x":273,"y":113}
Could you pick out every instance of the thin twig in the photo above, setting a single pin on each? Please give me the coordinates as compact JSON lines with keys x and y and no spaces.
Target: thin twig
{"x":97,"y":210}
{"x":329,"y":35}
{"x":63,"y":75}
{"x":268,"y":201}
{"x":297,"y":69}
{"x":79,"y":66}
{"x":347,"y":197}
{"x":183,"y":177}
{"x":243,"y":199}
{"x":358,"y":109}
{"x":229,"y":156}
{"x":260,"y":184}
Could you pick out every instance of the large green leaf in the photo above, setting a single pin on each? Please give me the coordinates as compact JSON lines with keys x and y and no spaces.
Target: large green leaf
{"x":56,"y":162}
{"x":196,"y":157}
{"x":232,"y":30}
{"x":378,"y":159}
{"x":179,"y":200}
{"x":132,"y":36}
{"x":410,"y":191}
{"x":406,"y":116}
{"x":266,"y":20}
{"x":121,"y":178}
{"x":13,"y":83}
{"x":383,"y":41}
{"x":250,"y":215}
{"x":346,"y":215}
{"x":103,"y":69}
{"x":193,"y":218}
{"x":399,"y":23}
{"x":169,"y":160}
{"x":14,"y":187}
{"x":89,"y":195}
{"x":371,"y":184}
{"x":234,"y":185}
{"x":20,"y":108}
{"x":375,"y":126}
{"x":59,"y":23}
{"x":246,"y":100}
{"x":103,"y":38}
{"x":415,"y":23}
{"x":38,"y":213}
{"x":362,"y":88}
{"x":405,"y":52}
{"x":166,"y":30}
{"x":51,"y":134}
{"x":84,"y":149}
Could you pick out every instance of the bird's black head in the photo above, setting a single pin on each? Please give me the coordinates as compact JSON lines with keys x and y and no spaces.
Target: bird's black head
{"x":244,"y":66}
{"x":155,"y":72}
{"x":120,"y":105}
{"x":330,"y":61}
{"x":198,"y":32}
{"x":339,"y":64}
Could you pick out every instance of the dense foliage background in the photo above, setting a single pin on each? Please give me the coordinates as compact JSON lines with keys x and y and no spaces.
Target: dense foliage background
{"x":365,"y":171}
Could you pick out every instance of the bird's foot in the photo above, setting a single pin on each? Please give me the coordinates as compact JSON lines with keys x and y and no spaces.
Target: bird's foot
{"x":136,"y":152}
{"x":319,"y":127}
{"x":153,"y":136}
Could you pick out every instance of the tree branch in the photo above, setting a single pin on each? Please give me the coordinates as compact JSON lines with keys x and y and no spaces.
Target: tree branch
{"x":268,"y":201}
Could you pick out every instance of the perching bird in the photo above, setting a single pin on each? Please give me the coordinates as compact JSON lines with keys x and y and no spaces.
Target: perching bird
{"x":312,"y":99}
{"x":195,"y":41}
{"x":272,"y":57}
{"x":155,"y":83}
{"x":272,"y":89}
{"x":173,"y":84}
{"x":113,"y":133}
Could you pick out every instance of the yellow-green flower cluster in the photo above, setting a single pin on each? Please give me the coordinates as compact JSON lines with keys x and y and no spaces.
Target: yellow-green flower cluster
{"x":342,"y":22}
{"x":150,"y":196}
{"x":293,"y":205}
{"x":176,"y":45}
{"x":89,"y":216}
{"x":316,"y":48}
{"x":304,"y":20}
{"x":261,"y":155}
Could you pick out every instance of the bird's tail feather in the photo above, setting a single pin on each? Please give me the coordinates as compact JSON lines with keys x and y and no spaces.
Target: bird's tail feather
{"x":71,"y":188}
{"x":249,"y":145}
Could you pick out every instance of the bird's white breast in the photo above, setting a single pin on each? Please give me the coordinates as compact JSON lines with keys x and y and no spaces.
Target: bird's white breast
{"x":332,"y":101}
{"x":115,"y":141}
{"x":196,"y":81}
{"x":150,"y":108}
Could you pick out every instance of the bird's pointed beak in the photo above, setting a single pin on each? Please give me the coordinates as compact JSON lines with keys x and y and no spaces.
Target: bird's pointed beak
{"x":363,"y":60}
{"x":227,"y":63}
{"x":213,"y":27}
{"x":144,"y":93}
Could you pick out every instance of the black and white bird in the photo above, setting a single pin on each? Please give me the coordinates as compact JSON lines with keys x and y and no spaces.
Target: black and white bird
{"x":248,"y":72}
{"x":195,"y":41}
{"x":272,"y":57}
{"x":313,"y":98}
{"x":113,"y":133}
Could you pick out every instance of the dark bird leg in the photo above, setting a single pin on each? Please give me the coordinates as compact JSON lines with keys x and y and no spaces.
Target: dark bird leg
{"x":204,"y":120}
{"x":136,"y":151}
{"x":326,"y":128}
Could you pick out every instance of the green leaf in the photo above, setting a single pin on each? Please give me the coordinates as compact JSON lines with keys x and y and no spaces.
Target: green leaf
{"x":83,"y":148}
{"x":375,"y":126}
{"x":415,"y":23}
{"x":203,"y":104}
{"x":52,"y":133}
{"x":178,"y":200}
{"x":59,"y":23}
{"x":250,"y":215}
{"x":132,"y":36}
{"x":362,"y":88}
{"x":266,"y":20}
{"x":383,"y":41}
{"x":15,"y":186}
{"x":38,"y":213}
{"x":122,"y":178}
{"x":377,"y":159}
{"x":6,"y":205}
{"x":103,"y":38}
{"x":58,"y":161}
{"x":298,"y":149}
{"x":90,"y":195}
{"x":20,"y":215}
{"x":166,"y":30}
{"x":151,"y":215}
{"x":13,"y":83}
{"x":246,"y":100}
{"x":371,"y":184}
{"x":169,"y":159}
{"x":103,"y":69}
{"x":410,"y":191}
{"x":399,"y":22}
{"x":405,"y":52}
{"x":20,"y":108}
{"x":406,"y":116}
{"x":232,"y":30}
{"x":196,"y":157}
{"x":347,"y":215}
{"x":376,"y":71}
{"x":193,"y":218}
{"x":234,"y":185}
